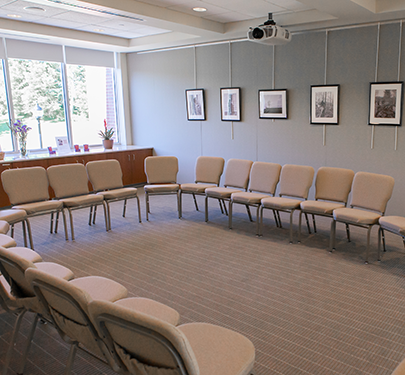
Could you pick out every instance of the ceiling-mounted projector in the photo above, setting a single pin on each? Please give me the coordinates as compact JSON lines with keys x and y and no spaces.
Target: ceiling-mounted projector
{"x":269,"y":33}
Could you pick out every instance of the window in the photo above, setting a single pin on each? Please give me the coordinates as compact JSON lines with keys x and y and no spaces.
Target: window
{"x":92,"y":99}
{"x":5,"y":134}
{"x":37,"y":95}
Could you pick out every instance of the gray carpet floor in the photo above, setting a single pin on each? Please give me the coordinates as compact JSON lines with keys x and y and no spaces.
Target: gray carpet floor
{"x":307,"y":311}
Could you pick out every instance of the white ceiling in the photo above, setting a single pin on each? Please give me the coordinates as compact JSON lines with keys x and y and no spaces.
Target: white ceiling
{"x":137,"y":25}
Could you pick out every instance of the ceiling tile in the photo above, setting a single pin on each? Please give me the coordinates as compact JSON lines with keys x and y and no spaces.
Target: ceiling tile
{"x":229,"y":17}
{"x":292,"y":5}
{"x":81,"y":17}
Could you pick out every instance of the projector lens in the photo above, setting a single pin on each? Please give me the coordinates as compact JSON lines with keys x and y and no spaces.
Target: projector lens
{"x":258,"y":33}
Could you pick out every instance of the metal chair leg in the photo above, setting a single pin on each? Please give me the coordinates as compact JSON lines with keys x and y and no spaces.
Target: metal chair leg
{"x":179,"y":205}
{"x":332,"y":235}
{"x":226,"y":212}
{"x":10,"y":350}
{"x":276,"y":219}
{"x":71,"y":358}
{"x":65,"y":225}
{"x":230,"y":214}
{"x":27,"y":222}
{"x":220,"y":206}
{"x":195,"y":202}
{"x":368,"y":243}
{"x":379,"y":245}
{"x":261,"y":221}
{"x":57,"y":222}
{"x":51,"y":229}
{"x":24,"y":232}
{"x":72,"y":232}
{"x":206,"y":208}
{"x":313,"y":222}
{"x":299,"y":226}
{"x":291,"y":224}
{"x":139,"y":209}
{"x":147,"y":205}
{"x":94,"y":214}
{"x":108,"y":218}
{"x":248,"y":212}
{"x":90,"y":214}
{"x":125,"y":208}
{"x":308,"y":226}
{"x":383,"y":239}
{"x":28,"y":344}
{"x":258,"y":220}
{"x":12,"y":231}
{"x":348,"y":232}
{"x":279,"y":219}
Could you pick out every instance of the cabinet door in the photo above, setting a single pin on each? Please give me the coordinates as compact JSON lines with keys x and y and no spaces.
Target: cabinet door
{"x":4,"y":201}
{"x":138,"y":163}
{"x":124,"y":157}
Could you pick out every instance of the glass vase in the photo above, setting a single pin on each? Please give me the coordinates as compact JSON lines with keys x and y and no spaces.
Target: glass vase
{"x":23,"y":147}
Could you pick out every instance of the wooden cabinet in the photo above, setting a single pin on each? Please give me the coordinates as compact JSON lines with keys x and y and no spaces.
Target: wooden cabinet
{"x":131,"y":160}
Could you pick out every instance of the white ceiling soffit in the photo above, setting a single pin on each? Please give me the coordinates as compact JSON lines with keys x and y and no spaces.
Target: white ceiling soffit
{"x":381,"y":6}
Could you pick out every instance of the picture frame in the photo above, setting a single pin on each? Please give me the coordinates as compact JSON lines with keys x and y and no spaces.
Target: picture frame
{"x":385,"y":103}
{"x":195,"y":105}
{"x":324,"y":108}
{"x":273,"y":104}
{"x":230,"y":104}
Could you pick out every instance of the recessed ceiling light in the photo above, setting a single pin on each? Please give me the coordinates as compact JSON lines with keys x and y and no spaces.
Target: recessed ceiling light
{"x":199,"y":9}
{"x":36,"y":9}
{"x":98,"y":30}
{"x":13,"y":15}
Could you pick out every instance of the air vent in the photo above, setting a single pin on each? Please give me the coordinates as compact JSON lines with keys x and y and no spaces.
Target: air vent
{"x":96,"y":9}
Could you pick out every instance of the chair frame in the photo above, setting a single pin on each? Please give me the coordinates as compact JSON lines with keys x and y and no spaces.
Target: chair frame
{"x":74,"y":345}
{"x":381,"y":236}
{"x":216,"y":183}
{"x":102,"y":318}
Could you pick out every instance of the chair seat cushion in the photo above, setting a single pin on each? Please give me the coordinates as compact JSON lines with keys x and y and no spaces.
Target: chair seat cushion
{"x":27,"y":254}
{"x":221,"y":192}
{"x":248,"y":198}
{"x":4,"y":226}
{"x":121,"y":193}
{"x":320,"y":207}
{"x":12,"y":215}
{"x":163,"y":188}
{"x":82,"y":200}
{"x":356,"y":216}
{"x":195,"y":188}
{"x":33,"y":208}
{"x":7,"y":241}
{"x":395,"y":224}
{"x":150,"y":307}
{"x":219,"y":350}
{"x":55,"y":269}
{"x":280,"y":203}
{"x":101,"y":288}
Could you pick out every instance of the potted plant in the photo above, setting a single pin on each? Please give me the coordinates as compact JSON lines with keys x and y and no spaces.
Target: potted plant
{"x":107,"y":135}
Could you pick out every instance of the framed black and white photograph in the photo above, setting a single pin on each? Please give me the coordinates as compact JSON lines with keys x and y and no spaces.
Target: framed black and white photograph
{"x":230,"y":104}
{"x":195,"y":105}
{"x":325,"y":104}
{"x":385,"y":103}
{"x":273,"y":104}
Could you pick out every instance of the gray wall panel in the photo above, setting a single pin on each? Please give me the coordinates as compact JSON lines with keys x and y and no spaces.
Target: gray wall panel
{"x":351,"y":62}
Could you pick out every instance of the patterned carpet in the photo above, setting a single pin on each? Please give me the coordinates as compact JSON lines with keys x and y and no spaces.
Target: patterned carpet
{"x":306,"y":311}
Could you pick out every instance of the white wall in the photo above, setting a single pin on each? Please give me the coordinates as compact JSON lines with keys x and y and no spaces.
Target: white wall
{"x":158,"y":81}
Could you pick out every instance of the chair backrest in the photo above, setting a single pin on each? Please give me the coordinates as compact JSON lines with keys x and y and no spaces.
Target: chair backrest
{"x":295,"y":180}
{"x":371,"y":191}
{"x":264,"y":177}
{"x":13,"y":268}
{"x":208,"y":169}
{"x":161,"y":169}
{"x":104,"y":174}
{"x":67,"y":306}
{"x":237,"y":173}
{"x":142,"y":343}
{"x":25,"y":185}
{"x":333,"y":184}
{"x":68,"y":180}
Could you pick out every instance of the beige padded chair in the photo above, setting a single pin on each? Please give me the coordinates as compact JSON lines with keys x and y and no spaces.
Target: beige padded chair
{"x":70,"y":184}
{"x":67,"y":304}
{"x":400,"y":370}
{"x":370,"y":195}
{"x":13,"y":216}
{"x":106,"y":179}
{"x":28,"y":190}
{"x":142,"y":344}
{"x":236,"y":180}
{"x":208,"y":172}
{"x":16,"y":293}
{"x":332,"y":188}
{"x":161,"y":172}
{"x":295,"y":181}
{"x":393,"y":224}
{"x":262,"y":183}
